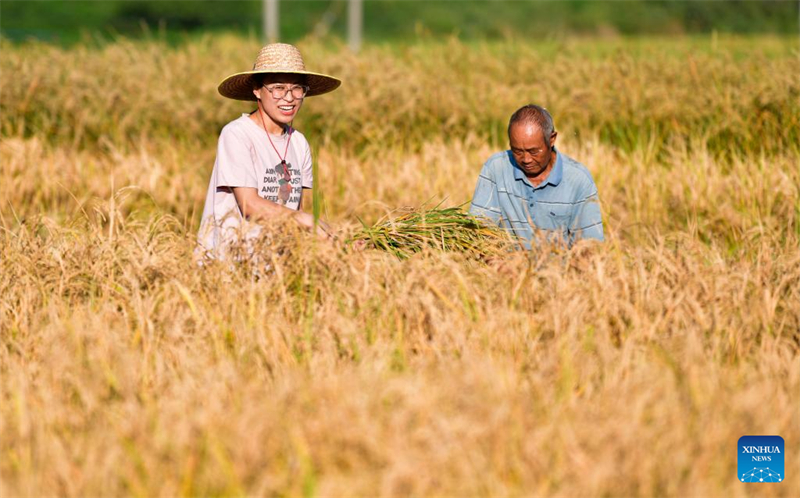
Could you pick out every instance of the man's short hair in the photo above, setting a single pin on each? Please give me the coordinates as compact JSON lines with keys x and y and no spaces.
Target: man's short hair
{"x":535,"y":115}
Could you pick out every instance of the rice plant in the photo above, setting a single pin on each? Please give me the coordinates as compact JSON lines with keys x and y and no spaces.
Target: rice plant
{"x":409,"y":231}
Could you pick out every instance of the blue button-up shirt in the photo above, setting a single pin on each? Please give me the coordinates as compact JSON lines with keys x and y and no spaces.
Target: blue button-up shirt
{"x":564,"y":205}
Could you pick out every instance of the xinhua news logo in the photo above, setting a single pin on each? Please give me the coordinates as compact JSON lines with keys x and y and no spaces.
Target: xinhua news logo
{"x":761,"y":459}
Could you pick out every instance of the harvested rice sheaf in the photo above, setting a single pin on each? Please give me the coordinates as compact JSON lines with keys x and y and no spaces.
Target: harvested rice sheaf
{"x":408,"y":231}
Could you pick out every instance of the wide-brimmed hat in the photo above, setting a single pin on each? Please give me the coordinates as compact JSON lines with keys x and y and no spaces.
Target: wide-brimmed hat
{"x":276,"y":58}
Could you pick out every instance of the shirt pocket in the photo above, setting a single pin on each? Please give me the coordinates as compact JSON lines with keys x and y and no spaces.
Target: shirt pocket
{"x":552,"y":216}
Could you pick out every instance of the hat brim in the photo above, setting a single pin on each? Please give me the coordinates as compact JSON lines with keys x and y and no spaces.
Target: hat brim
{"x":239,"y":86}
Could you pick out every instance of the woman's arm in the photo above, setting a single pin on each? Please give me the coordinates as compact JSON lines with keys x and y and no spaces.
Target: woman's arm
{"x":254,"y":207}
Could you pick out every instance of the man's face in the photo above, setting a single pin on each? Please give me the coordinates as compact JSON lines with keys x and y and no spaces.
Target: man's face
{"x":530,"y":149}
{"x":281,"y":109}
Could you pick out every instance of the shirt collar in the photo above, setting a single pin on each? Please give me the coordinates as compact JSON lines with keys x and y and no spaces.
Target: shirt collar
{"x":554,"y":178}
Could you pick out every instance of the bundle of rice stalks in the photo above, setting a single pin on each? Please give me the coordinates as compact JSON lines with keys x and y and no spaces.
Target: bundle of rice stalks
{"x":408,"y":231}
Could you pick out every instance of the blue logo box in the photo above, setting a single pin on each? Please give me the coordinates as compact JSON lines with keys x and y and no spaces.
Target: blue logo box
{"x":761,"y":459}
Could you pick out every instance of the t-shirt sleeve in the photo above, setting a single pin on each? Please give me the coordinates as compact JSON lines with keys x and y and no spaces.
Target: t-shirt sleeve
{"x":307,"y":169}
{"x":234,"y":162}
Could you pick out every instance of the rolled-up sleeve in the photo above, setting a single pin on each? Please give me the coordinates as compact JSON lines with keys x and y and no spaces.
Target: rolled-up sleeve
{"x":587,"y":222}
{"x":307,"y":169}
{"x":234,"y":165}
{"x":485,"y":202}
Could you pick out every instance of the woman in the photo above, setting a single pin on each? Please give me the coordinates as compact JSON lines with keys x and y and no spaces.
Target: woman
{"x":263,"y":165}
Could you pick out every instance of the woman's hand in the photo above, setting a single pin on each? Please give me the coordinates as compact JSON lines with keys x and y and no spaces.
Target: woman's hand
{"x":322,"y":229}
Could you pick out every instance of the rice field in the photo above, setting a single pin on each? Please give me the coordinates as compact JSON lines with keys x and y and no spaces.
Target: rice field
{"x":629,"y":368}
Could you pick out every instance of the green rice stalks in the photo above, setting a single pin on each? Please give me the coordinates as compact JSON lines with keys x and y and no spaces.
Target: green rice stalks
{"x":408,"y":231}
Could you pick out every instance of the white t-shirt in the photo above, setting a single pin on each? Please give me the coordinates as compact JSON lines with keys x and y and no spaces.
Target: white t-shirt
{"x":245,"y":158}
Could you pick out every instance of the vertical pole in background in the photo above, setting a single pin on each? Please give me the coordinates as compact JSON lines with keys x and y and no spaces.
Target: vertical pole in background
{"x":354,"y":24}
{"x":269,"y":20}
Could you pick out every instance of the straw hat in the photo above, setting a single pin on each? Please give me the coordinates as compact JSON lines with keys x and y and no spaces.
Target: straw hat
{"x":276,"y":58}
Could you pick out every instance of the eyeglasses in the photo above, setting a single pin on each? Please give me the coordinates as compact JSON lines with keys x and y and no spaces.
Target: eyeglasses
{"x":280,"y":91}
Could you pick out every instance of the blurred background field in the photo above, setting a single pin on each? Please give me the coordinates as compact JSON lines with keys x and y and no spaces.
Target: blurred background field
{"x":393,"y":21}
{"x":630,"y":369}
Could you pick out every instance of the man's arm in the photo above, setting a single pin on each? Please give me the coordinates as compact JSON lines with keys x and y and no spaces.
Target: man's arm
{"x":587,"y":221}
{"x":485,"y":201}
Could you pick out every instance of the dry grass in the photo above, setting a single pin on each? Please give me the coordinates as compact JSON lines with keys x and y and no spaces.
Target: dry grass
{"x":626,"y":369}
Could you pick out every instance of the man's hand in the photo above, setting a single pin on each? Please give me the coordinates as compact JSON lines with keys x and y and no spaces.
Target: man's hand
{"x":582,"y":254}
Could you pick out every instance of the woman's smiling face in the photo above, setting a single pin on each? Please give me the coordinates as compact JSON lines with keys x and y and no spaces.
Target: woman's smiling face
{"x":281,"y":110}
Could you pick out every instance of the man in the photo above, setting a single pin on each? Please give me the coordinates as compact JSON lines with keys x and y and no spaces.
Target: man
{"x":533,"y":189}
{"x":263,"y":164}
